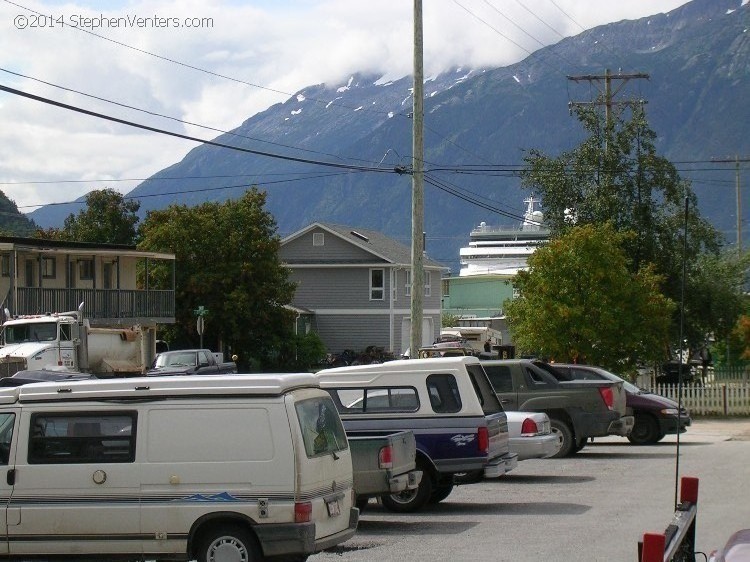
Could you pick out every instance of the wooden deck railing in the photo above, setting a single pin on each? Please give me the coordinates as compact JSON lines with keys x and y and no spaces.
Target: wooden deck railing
{"x":99,"y":303}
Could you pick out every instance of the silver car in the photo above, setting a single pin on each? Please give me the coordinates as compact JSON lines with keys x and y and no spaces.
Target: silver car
{"x":531,"y":436}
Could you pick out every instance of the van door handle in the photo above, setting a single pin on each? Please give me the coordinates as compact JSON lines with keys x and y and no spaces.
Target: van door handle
{"x":10,"y":477}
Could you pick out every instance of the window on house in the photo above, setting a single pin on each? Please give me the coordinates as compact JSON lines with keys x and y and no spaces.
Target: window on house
{"x":86,"y":269}
{"x":49,"y":268}
{"x":427,"y":283}
{"x":319,"y":238}
{"x":5,"y":265}
{"x":377,"y":284}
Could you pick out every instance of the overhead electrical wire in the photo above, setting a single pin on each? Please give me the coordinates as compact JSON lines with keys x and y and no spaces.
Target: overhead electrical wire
{"x":197,"y":68}
{"x":199,"y":190}
{"x":188,"y":137}
{"x":176,"y":119}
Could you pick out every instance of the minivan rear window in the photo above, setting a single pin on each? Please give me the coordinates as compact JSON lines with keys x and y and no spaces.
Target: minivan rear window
{"x":322,"y":431}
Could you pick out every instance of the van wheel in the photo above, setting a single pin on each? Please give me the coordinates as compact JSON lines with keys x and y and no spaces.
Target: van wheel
{"x":565,"y":439}
{"x":411,"y":500}
{"x":645,"y":431}
{"x":230,"y":543}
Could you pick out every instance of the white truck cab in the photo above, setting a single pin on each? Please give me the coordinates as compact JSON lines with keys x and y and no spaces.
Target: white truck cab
{"x":182,"y":468}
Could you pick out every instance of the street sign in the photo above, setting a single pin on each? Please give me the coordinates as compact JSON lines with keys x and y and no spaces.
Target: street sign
{"x":200,"y":325}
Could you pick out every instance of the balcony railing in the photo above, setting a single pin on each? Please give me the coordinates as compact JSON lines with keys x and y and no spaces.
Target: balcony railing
{"x":99,"y":303}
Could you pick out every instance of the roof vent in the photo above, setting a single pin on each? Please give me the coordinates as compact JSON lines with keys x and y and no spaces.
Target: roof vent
{"x":361,"y":236}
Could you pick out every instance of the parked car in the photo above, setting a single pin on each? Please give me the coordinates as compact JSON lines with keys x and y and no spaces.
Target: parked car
{"x":531,"y":436}
{"x":577,"y":410}
{"x":655,"y":415}
{"x":190,"y":362}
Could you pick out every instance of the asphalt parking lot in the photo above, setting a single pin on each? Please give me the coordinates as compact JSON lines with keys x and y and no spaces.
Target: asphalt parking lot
{"x":593,"y":506}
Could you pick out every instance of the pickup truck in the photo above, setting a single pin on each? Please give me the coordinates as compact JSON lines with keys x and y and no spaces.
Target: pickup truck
{"x":577,"y":410}
{"x":383,"y":464}
{"x":190,"y":362}
{"x":460,"y":428}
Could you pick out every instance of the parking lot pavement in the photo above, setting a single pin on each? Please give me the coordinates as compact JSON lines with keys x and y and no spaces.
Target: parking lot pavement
{"x":593,"y":506}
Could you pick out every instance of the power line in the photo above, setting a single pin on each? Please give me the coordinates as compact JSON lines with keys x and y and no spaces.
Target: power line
{"x":198,"y":68}
{"x":187,"y":137}
{"x":126,"y":106}
{"x":199,"y":190}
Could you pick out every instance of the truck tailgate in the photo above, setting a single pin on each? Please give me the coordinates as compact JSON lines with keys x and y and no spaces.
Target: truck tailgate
{"x":373,"y":477}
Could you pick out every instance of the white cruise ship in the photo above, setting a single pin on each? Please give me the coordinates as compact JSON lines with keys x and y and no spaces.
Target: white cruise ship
{"x":504,"y":250}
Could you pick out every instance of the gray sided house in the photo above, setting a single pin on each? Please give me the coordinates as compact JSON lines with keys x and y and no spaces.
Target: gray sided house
{"x":354,"y":288}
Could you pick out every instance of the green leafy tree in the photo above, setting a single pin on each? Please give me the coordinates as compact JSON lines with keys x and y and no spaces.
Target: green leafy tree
{"x":227,"y":261}
{"x":616,"y":175}
{"x":581,"y":302}
{"x":107,"y":219}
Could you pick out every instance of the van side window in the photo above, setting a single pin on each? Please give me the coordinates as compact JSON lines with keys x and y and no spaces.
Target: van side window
{"x":322,"y":432}
{"x":7,"y":421}
{"x":443,"y":392}
{"x":377,"y":400}
{"x":82,"y":438}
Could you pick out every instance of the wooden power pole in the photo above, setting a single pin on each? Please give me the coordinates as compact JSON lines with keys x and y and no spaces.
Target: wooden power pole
{"x":417,"y":201}
{"x":604,"y":84}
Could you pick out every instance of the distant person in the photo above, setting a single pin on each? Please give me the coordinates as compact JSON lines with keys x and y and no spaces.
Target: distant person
{"x":488,"y":346}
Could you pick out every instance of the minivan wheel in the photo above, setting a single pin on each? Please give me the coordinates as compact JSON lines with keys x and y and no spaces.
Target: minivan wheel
{"x":230,"y":543}
{"x":645,"y":431}
{"x":564,"y":436}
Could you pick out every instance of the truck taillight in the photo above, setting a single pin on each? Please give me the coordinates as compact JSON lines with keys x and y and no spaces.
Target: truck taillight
{"x":608,"y":396}
{"x":385,"y":457}
{"x":302,"y":512}
{"x":529,"y":427}
{"x":483,"y":439}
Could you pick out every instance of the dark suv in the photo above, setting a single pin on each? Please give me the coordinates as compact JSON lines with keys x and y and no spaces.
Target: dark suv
{"x":655,"y":415}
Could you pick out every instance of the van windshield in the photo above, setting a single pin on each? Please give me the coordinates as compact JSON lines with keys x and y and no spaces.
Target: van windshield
{"x":321,"y":427}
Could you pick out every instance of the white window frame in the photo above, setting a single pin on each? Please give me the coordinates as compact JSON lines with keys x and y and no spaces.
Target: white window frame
{"x":374,"y":289}
{"x":427,"y":283}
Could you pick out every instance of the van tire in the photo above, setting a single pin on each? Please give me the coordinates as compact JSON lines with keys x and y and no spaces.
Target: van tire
{"x":564,"y":437}
{"x":232,"y":543}
{"x":411,"y":500}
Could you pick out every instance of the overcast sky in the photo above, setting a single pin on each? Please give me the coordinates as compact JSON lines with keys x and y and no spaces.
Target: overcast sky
{"x":251,"y":53}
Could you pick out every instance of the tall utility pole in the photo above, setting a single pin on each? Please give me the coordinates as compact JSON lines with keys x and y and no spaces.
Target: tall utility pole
{"x":417,"y":197}
{"x":603,"y":82}
{"x":737,"y":161}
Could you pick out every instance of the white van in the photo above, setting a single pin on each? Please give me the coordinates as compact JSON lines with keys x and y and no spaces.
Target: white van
{"x":186,"y":468}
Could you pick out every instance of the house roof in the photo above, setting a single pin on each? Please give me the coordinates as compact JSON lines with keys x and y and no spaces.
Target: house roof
{"x":372,"y":241}
{"x":55,"y":246}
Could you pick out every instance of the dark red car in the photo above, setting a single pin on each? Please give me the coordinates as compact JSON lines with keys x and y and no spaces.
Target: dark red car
{"x":655,"y":415}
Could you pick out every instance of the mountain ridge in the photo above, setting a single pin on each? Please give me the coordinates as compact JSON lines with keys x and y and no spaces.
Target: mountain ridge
{"x":697,"y":56}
